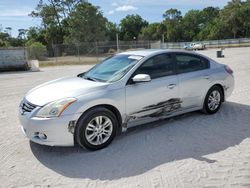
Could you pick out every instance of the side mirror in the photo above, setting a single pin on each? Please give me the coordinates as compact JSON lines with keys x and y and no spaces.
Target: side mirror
{"x":141,"y":78}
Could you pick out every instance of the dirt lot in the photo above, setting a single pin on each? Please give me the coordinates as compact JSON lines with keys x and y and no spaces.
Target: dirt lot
{"x":192,"y":150}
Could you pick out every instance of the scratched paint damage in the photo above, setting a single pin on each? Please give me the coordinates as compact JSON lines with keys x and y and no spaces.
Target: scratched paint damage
{"x":163,"y":108}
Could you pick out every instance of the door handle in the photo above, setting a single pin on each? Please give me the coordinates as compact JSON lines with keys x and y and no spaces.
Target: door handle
{"x":207,"y":77}
{"x":171,"y":86}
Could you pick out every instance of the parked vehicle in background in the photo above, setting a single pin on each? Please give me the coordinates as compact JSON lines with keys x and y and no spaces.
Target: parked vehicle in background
{"x":124,"y":90}
{"x":195,"y":46}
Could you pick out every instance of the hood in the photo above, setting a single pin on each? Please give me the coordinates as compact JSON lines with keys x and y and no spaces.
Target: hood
{"x":62,"y":88}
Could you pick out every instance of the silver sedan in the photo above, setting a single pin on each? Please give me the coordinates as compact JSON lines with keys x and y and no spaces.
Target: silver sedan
{"x":124,"y":90}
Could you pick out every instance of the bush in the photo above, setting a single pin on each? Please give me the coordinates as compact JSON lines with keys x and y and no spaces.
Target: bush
{"x":36,"y":50}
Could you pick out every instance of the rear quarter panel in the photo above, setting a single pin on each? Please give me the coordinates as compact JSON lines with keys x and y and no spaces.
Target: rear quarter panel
{"x":221,"y":77}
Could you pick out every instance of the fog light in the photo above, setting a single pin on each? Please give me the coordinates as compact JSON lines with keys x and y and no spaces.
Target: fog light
{"x":41,"y":136}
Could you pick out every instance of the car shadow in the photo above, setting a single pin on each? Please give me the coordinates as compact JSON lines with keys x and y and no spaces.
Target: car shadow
{"x":140,"y":149}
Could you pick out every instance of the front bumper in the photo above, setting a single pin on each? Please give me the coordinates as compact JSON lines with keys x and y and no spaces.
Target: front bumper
{"x":56,"y":130}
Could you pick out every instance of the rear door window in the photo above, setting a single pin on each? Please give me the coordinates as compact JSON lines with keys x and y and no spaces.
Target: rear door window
{"x":189,"y":63}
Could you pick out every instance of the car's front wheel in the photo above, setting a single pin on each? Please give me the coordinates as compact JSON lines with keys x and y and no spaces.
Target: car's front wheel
{"x":96,"y":128}
{"x":213,"y":100}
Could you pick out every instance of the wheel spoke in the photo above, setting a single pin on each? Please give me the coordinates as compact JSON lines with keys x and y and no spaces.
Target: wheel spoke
{"x":218,"y":97}
{"x":106,"y":134}
{"x":213,"y":107}
{"x":210,"y":104}
{"x":210,"y":98}
{"x":98,"y":120}
{"x":90,"y":127}
{"x":91,"y":137}
{"x":99,"y":139}
{"x":214,"y":93}
{"x":107,"y":124}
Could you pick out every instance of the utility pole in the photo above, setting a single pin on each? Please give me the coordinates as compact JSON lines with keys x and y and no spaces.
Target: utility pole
{"x":163,"y":41}
{"x":117,"y":42}
{"x":135,"y":42}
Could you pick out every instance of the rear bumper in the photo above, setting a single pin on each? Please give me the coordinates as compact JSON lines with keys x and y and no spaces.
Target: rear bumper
{"x":55,"y":130}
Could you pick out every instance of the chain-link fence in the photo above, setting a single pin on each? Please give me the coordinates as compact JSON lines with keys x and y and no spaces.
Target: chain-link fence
{"x":86,"y":52}
{"x":93,"y":52}
{"x":227,"y":43}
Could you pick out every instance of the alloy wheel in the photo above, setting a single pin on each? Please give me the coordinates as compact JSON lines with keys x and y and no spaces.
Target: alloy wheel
{"x":214,"y":100}
{"x":99,"y":130}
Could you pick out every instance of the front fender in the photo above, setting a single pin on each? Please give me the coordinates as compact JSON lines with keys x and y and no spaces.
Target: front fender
{"x":115,"y":98}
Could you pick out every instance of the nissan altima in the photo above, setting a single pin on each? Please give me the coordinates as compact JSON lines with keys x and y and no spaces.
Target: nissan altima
{"x":124,"y":90}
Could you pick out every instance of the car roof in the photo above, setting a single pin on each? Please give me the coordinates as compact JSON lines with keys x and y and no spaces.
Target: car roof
{"x":150,"y":52}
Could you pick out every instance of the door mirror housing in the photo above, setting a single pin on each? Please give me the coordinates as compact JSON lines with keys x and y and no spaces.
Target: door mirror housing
{"x":141,"y":78}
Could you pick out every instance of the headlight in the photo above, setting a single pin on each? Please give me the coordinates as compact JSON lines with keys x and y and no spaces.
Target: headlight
{"x":55,"y":109}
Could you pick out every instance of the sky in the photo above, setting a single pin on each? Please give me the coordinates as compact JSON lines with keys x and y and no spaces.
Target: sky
{"x":14,"y":13}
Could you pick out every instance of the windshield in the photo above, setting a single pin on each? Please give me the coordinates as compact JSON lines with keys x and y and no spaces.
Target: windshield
{"x":112,"y":69}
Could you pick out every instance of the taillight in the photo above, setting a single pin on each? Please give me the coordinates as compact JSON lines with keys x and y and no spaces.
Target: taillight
{"x":229,"y":70}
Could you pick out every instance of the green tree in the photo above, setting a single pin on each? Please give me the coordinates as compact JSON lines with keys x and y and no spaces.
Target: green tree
{"x":130,"y":27}
{"x":86,"y":24}
{"x":233,"y":21}
{"x":111,"y":31}
{"x":245,"y":18}
{"x":191,"y":24}
{"x":7,"y":41}
{"x":209,"y":14}
{"x":36,"y":50}
{"x":172,"y":22}
{"x":198,"y":24}
{"x":151,"y":32}
{"x":54,"y":14}
{"x":8,"y":30}
{"x":172,"y":14}
{"x":36,"y":34}
{"x":75,"y":21}
{"x":4,"y":37}
{"x":208,"y":26}
{"x":230,"y":15}
{"x":22,"y":33}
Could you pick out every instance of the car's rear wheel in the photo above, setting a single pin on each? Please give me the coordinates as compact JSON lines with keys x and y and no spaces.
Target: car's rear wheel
{"x":213,"y":100}
{"x":96,"y":128}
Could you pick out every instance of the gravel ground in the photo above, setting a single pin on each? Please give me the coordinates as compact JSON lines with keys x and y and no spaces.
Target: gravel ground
{"x":192,"y":150}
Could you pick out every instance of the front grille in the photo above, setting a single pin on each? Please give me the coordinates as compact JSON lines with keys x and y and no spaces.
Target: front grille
{"x":27,"y":106}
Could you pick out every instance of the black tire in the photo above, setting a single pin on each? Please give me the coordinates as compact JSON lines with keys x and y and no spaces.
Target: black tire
{"x":83,"y":122}
{"x":206,"y":108}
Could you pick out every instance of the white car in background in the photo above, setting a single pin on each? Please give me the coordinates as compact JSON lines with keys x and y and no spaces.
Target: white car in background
{"x":195,"y":46}
{"x":124,"y":90}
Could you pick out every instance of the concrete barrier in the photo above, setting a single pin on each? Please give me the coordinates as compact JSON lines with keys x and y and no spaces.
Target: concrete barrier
{"x":13,"y":59}
{"x":34,"y":65}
